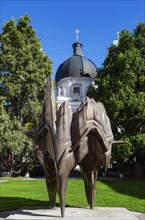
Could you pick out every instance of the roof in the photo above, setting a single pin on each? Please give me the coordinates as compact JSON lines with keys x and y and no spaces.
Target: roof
{"x":76,"y":65}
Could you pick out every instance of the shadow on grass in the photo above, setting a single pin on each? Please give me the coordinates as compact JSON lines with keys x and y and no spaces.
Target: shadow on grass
{"x":134,"y":188}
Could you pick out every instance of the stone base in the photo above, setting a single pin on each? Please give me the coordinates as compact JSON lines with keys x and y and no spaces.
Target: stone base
{"x":72,"y":214}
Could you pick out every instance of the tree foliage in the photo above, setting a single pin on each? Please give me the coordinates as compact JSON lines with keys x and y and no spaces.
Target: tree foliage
{"x":14,"y":142}
{"x":24,"y":68}
{"x":121,"y":87}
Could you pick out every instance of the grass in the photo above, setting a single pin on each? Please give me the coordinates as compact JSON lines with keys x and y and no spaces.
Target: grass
{"x":17,"y":193}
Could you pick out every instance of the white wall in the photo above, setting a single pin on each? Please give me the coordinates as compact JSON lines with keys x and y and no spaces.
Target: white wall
{"x":69,"y":83}
{"x":66,"y":94}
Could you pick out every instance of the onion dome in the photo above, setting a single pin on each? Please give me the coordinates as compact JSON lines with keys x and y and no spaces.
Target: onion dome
{"x":76,"y":66}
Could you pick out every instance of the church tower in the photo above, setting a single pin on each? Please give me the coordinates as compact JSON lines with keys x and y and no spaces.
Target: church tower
{"x":74,"y":76}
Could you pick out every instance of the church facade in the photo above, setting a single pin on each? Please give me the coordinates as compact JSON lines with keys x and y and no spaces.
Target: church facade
{"x":73,"y":78}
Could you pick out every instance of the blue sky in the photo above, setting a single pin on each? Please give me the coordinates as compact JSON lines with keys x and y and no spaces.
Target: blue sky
{"x":55,"y":23}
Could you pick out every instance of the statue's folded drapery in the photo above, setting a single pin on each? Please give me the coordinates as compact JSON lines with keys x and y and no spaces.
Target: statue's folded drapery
{"x":62,"y":140}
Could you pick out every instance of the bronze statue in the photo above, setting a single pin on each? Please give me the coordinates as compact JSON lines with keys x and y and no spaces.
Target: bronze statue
{"x":62,"y":140}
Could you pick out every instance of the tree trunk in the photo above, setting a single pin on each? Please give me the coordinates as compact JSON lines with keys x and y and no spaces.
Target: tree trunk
{"x":139,"y":165}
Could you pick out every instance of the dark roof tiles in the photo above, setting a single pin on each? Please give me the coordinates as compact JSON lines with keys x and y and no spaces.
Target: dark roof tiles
{"x":76,"y":66}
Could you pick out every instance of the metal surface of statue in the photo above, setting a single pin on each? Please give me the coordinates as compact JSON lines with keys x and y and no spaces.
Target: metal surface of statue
{"x":62,"y":140}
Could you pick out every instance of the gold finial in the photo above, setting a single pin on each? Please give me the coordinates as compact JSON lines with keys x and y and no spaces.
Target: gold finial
{"x":77,"y":32}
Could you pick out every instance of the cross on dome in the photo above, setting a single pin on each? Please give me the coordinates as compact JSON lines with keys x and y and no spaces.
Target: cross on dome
{"x":77,"y":32}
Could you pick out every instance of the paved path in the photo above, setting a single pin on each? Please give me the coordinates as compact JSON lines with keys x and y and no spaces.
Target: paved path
{"x":73,"y":214}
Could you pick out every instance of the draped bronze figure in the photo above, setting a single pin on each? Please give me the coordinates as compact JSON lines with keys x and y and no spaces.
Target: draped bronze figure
{"x":62,"y":140}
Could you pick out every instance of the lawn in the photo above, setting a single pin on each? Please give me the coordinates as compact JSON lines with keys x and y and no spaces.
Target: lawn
{"x":17,"y":193}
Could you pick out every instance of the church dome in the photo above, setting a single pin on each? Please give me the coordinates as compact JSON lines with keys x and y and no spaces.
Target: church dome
{"x":76,"y":66}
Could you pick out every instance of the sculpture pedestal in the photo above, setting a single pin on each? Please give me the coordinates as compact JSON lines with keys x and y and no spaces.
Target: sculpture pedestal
{"x":72,"y":214}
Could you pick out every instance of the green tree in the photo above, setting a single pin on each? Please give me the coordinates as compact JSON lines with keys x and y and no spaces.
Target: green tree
{"x":24,"y":68}
{"x":121,"y":87}
{"x":16,"y":147}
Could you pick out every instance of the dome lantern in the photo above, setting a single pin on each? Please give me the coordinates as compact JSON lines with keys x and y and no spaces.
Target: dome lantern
{"x":77,"y":49}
